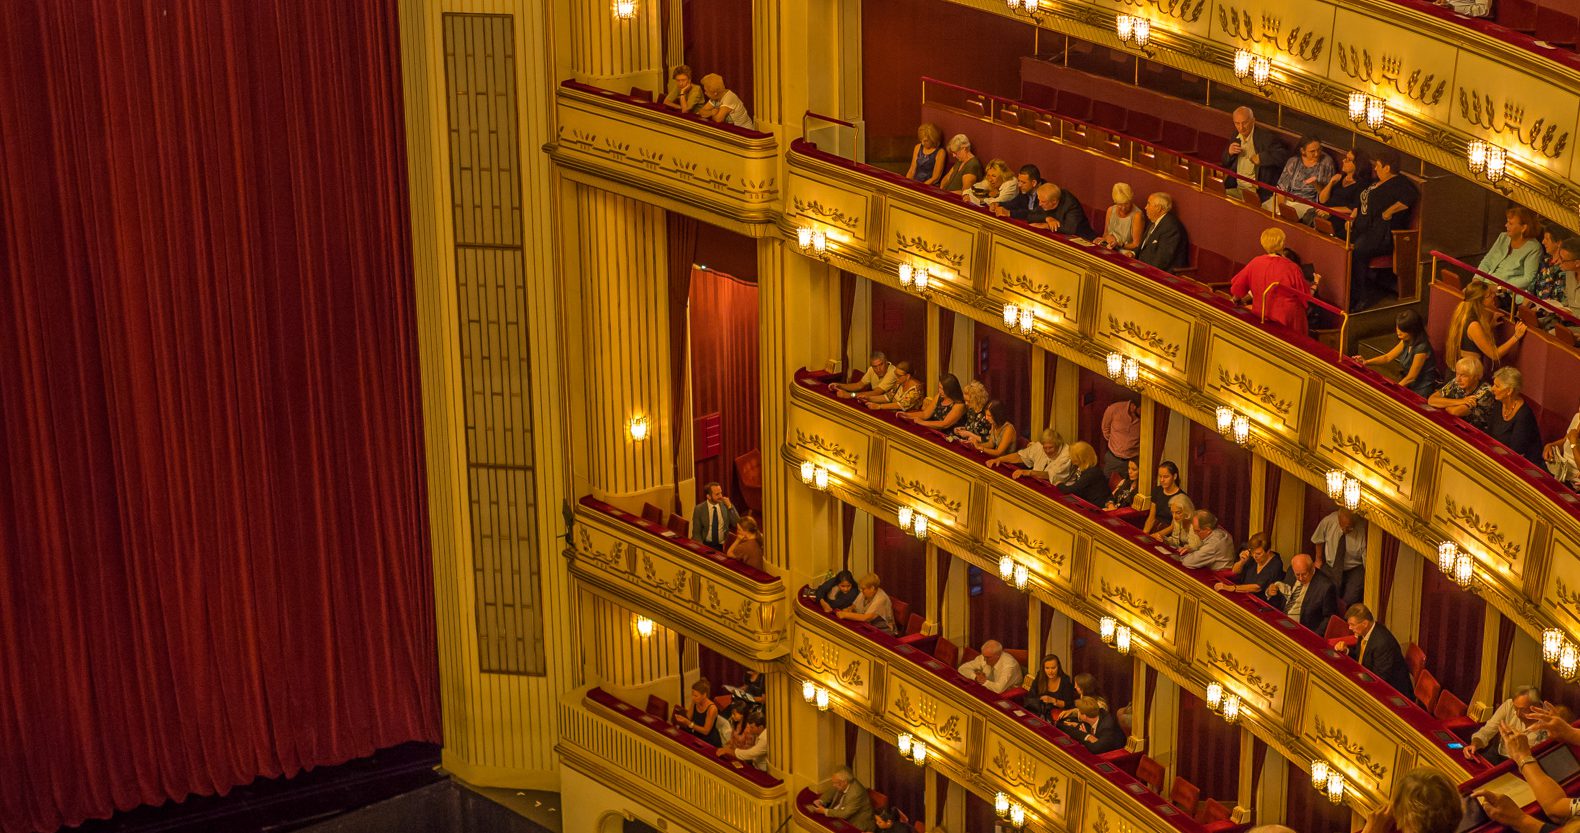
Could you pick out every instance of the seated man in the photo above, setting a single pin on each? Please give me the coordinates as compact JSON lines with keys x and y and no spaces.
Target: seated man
{"x":1254,"y":154}
{"x":1309,"y":598}
{"x":1378,"y":650}
{"x":1026,"y":184}
{"x":993,"y":668}
{"x":1060,"y":212}
{"x":879,"y":379}
{"x":713,"y":518}
{"x":722,"y":105}
{"x":1048,"y":460}
{"x":1165,"y":245}
{"x":1216,"y":551}
{"x":1096,"y":728}
{"x":1514,"y":713}
{"x":846,"y":799}
{"x":749,"y":743}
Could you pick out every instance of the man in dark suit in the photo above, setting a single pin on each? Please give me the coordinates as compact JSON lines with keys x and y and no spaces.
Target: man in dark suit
{"x":1060,"y":212}
{"x":1254,"y":154}
{"x":1377,"y":650}
{"x":1028,"y":180}
{"x":1309,"y":600}
{"x":1165,"y":245}
{"x":846,"y":799}
{"x":1096,"y":729}
{"x":714,"y":518}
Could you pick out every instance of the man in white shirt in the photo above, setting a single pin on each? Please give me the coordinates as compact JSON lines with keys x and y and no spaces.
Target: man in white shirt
{"x":751,"y":741}
{"x":1515,"y":713}
{"x":1340,"y":541}
{"x":880,"y":379}
{"x":723,"y":105}
{"x":1048,"y":460}
{"x":993,"y":668}
{"x":1216,"y":551}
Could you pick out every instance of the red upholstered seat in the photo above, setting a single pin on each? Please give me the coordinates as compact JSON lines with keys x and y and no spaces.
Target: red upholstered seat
{"x":1151,"y":773}
{"x":914,"y":623}
{"x":946,"y":653}
{"x":1185,"y":795}
{"x":1415,"y":658}
{"x":1556,"y":26}
{"x":879,"y":800}
{"x":1337,"y":628}
{"x":1180,"y":138}
{"x":1110,"y":115}
{"x":1073,"y":105}
{"x":723,"y":701}
{"x":652,"y":514}
{"x":658,"y":707}
{"x":680,"y":526}
{"x":1213,"y":810}
{"x":1427,"y":689}
{"x":1144,"y":126}
{"x":1451,"y":710}
{"x":1519,"y":15}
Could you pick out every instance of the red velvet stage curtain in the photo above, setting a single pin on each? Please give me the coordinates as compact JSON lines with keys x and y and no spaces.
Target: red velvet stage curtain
{"x":723,"y":316}
{"x":1451,"y":632}
{"x":1003,"y":363}
{"x":717,"y":35}
{"x":214,"y":560}
{"x":1219,"y":474}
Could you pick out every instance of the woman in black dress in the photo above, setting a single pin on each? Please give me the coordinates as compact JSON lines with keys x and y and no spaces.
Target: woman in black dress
{"x":1512,"y":422}
{"x":1052,"y":691}
{"x":704,"y":718}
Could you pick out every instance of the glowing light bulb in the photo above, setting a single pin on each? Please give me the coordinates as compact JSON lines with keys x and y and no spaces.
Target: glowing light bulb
{"x":820,"y":479}
{"x":1319,"y":775}
{"x":1335,"y":484}
{"x":808,"y":470}
{"x":1022,"y":576}
{"x":906,"y":275}
{"x":905,"y":514}
{"x":1017,"y":815}
{"x":1214,"y":696}
{"x":1122,"y":639}
{"x":1242,"y":429}
{"x":1261,"y":71}
{"x":922,"y":278}
{"x":1464,"y":569}
{"x":822,"y":699}
{"x":1105,"y":629}
{"x":1011,"y":315}
{"x":1231,"y":708}
{"x":1568,"y":660}
{"x":644,"y":627}
{"x":808,"y":691}
{"x":1132,"y":372}
{"x":1476,"y":156}
{"x":1124,"y":26}
{"x":919,"y":526}
{"x":1447,"y":555}
{"x":1028,"y":321}
{"x":1242,"y":63}
{"x":1497,"y":162}
{"x":1225,"y":419}
{"x":1001,"y":804}
{"x":819,"y":242}
{"x":1376,"y":110}
{"x":1552,"y":644}
{"x":919,"y":752}
{"x":1116,"y":365}
{"x":1357,"y":106}
{"x":904,"y":744}
{"x":1352,"y":494}
{"x":1336,"y":787}
{"x":1142,"y":31}
{"x":803,"y":238}
{"x":625,"y":9}
{"x":1006,"y":568}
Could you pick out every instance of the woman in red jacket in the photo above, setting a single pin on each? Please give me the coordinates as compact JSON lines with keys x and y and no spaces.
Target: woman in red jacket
{"x":1285,"y":306}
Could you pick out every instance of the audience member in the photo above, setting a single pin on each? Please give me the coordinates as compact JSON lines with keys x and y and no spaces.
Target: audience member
{"x":906,"y":395}
{"x":872,"y":605}
{"x":747,"y":547}
{"x":1085,"y":686}
{"x":683,"y":95}
{"x":1098,"y":731}
{"x":1087,"y":480}
{"x":750,"y":692}
{"x":750,"y":742}
{"x":1385,"y":208}
{"x":846,"y":799}
{"x":886,"y":818}
{"x":1569,"y":262}
{"x":1046,"y":460}
{"x":975,"y":422}
{"x":927,"y":157}
{"x":1413,"y":353}
{"x":994,"y":669}
{"x":1512,"y":422}
{"x":1001,"y":434}
{"x":1550,"y":795}
{"x":837,"y":593}
{"x":1257,"y":569}
{"x":1124,"y":496}
{"x":880,"y":378}
{"x":1026,"y":183}
{"x":722,"y":105}
{"x":1060,"y":212}
{"x":704,"y":717}
{"x":1165,"y":245}
{"x":1254,"y":155}
{"x":1255,"y":283}
{"x":1343,"y":191}
{"x":1051,"y":691}
{"x":1516,"y":255}
{"x":1216,"y":550}
{"x":1181,"y":530}
{"x":1304,"y":176}
{"x":714,"y":517}
{"x":1424,"y":801}
{"x":1377,"y":650}
{"x":999,"y":187}
{"x":1340,"y":541}
{"x":1563,"y":455}
{"x":1552,"y":280}
{"x":1466,"y":395}
{"x":1124,"y":222}
{"x":1122,"y":434}
{"x":967,"y":169}
{"x":1309,"y":599}
{"x":1168,"y":485}
{"x":1514,"y":714}
{"x":1471,"y":328}
{"x":730,"y":717}
{"x":944,"y":410}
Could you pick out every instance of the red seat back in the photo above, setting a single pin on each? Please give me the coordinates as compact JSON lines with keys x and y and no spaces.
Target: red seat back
{"x":1448,"y":706}
{"x":946,"y":653}
{"x":680,"y":526}
{"x":1212,"y":811}
{"x":1110,"y":115}
{"x":913,"y":624}
{"x":1185,"y":795}
{"x":879,"y":800}
{"x":1151,"y":773}
{"x":1020,"y":656}
{"x":1555,"y":26}
{"x":652,"y":514}
{"x":1427,"y":689}
{"x":657,"y":707}
{"x":1337,"y":628}
{"x":1415,"y":658}
{"x":1516,"y":14}
{"x":723,"y":701}
{"x":902,"y":611}
{"x":1074,"y":105}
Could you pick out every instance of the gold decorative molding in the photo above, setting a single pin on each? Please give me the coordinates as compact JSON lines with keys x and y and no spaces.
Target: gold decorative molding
{"x":1020,"y":538}
{"x":1185,"y":11}
{"x":1123,"y":596}
{"x":1044,"y":291}
{"x":1022,"y":772}
{"x":831,"y":215}
{"x":672,"y":587}
{"x":1565,"y":597}
{"x":1251,"y":389}
{"x":1387,"y":70}
{"x":1237,"y":24}
{"x":924,"y":714}
{"x":618,"y":557}
{"x":1356,"y":447}
{"x":1151,"y":338}
{"x":1476,"y":106}
{"x":827,"y":448}
{"x":1354,"y":751}
{"x":921,"y":490}
{"x":620,"y":152}
{"x":1245,"y":673}
{"x":1488,"y":530}
{"x":917,"y":244}
{"x":1101,"y":825}
{"x":717,"y":610}
{"x":826,"y":662}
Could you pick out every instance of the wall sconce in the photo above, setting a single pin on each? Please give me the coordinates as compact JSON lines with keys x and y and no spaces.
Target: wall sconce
{"x":813,"y":243}
{"x":1559,"y":652}
{"x":1013,"y":572}
{"x":814,"y":475}
{"x":815,"y":694}
{"x":1027,"y":8}
{"x":1326,"y":779}
{"x":1122,"y":640}
{"x":913,"y":522}
{"x":1487,"y":160}
{"x":1368,"y":111}
{"x":1022,"y":576}
{"x":1231,"y":709}
{"x":1457,"y":564}
{"x":624,"y":9}
{"x":1214,"y":696}
{"x":1020,"y":319}
{"x":1017,"y":815}
{"x":1569,"y":661}
{"x":1124,"y":369}
{"x":1319,"y":775}
{"x":1114,"y":634}
{"x":644,"y":626}
{"x":1344,"y":489}
{"x":1335,"y":787}
{"x":915,"y":278}
{"x":637,"y":428}
{"x":1234,"y":425}
{"x":1134,"y":30}
{"x":1257,"y":68}
{"x":1221,"y":703}
{"x":1552,"y":641}
{"x":1001,"y":799}
{"x":912,"y":749}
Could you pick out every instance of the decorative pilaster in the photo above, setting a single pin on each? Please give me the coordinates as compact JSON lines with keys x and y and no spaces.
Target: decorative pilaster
{"x":616,"y":54}
{"x":620,"y":659}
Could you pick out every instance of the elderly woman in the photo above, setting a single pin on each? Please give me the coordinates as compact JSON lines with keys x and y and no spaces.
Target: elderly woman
{"x":975,"y":424}
{"x":1304,"y":175}
{"x":1471,"y":330}
{"x":906,"y":395}
{"x":1466,"y":395}
{"x":1563,"y":455}
{"x":944,"y":409}
{"x":683,"y":95}
{"x":967,"y":169}
{"x":872,"y":605}
{"x":1000,"y":439}
{"x":1087,"y":480}
{"x":1516,"y":255}
{"x":1257,"y":280}
{"x":999,"y":188}
{"x":1414,"y":355}
{"x":1124,"y":222}
{"x":1181,"y":530}
{"x":927,"y":157}
{"x":1512,"y":422}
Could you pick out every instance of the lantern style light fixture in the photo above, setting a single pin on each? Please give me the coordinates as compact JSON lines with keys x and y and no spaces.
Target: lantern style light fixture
{"x":1214,"y":696}
{"x":1344,"y":489}
{"x":1001,"y":804}
{"x":918,"y":753}
{"x":1464,"y":569}
{"x":644,"y":626}
{"x":1017,"y":815}
{"x":1234,"y":425}
{"x":1006,"y":568}
{"x":1122,"y":640}
{"x":1569,"y":661}
{"x":915,"y":278}
{"x":1487,"y":160}
{"x":1319,"y":775}
{"x":1134,"y":30}
{"x":1552,"y":644}
{"x":1020,"y":319}
{"x":913,"y":522}
{"x":1250,"y":66}
{"x":1122,"y":368}
{"x":1447,"y":555}
{"x":808,"y":690}
{"x":1027,"y":8}
{"x":822,"y":699}
{"x":814,"y":475}
{"x":1336,"y":787}
{"x":638,"y":427}
{"x":1231,"y":708}
{"x":1022,"y":576}
{"x":1367,"y":111}
{"x":624,"y":9}
{"x":813,"y":242}
{"x":1106,"y":627}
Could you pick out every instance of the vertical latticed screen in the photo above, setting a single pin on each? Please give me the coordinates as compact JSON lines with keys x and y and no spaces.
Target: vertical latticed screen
{"x":485,"y":182}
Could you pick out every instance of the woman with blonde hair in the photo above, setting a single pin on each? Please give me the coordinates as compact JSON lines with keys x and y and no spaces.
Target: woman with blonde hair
{"x":1001,"y":434}
{"x":872,"y":605}
{"x":1000,"y":187}
{"x":1123,"y":226}
{"x":1181,"y":531}
{"x":1472,"y":330}
{"x":1254,"y":284}
{"x":927,"y":157}
{"x":1087,"y":480}
{"x":975,"y":424}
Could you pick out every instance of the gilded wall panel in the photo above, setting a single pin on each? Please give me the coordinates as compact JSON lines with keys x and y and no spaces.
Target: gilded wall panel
{"x":1140,"y":326}
{"x":942,"y":495}
{"x":923,"y":239}
{"x":1350,"y":740}
{"x":1562,"y":593}
{"x":1295,"y":33}
{"x":1124,"y":587}
{"x":1039,"y":539}
{"x":1269,"y":391}
{"x":914,"y":707}
{"x":1411,"y":70}
{"x":1019,"y":276}
{"x":1099,"y":814}
{"x":1034,"y":781}
{"x":1533,"y":120}
{"x":1377,"y":453}
{"x":1483,"y":520}
{"x":1245,"y":663}
{"x":1192,"y":16}
{"x":840,"y":669}
{"x":836,"y":446}
{"x":837,"y":210}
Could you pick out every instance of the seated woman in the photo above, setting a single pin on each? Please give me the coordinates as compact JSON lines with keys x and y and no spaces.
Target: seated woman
{"x":1001,"y":434}
{"x":1085,"y":686}
{"x":1256,"y":570}
{"x":1343,"y":190}
{"x":1551,"y":277}
{"x":906,"y":395}
{"x":1051,"y":690}
{"x":1124,"y":223}
{"x":837,"y":593}
{"x":872,"y":605}
{"x":974,"y":424}
{"x":1512,"y":422}
{"x":1466,"y":395}
{"x":927,"y":157}
{"x":1304,"y":175}
{"x":999,"y":188}
{"x":1255,"y":284}
{"x":944,"y":409}
{"x":1549,"y":794}
{"x":1516,"y":255}
{"x":1181,"y":531}
{"x":1168,"y":486}
{"x":1563,"y":455}
{"x":704,"y":717}
{"x":1414,"y":354}
{"x":1385,"y":208}
{"x":683,"y":95}
{"x":747,"y":547}
{"x":967,"y":169}
{"x":1124,"y":496}
{"x":1471,"y":329}
{"x":1087,"y":480}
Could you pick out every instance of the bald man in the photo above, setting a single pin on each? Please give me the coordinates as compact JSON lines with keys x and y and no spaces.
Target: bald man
{"x":993,"y":668}
{"x":1254,"y":152}
{"x":1310,"y":599}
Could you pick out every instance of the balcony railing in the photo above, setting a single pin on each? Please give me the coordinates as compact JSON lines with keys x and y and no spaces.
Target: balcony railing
{"x":1428,"y":477}
{"x":717,"y":167}
{"x":1299,"y":692}
{"x":644,"y":757}
{"x":678,"y":581}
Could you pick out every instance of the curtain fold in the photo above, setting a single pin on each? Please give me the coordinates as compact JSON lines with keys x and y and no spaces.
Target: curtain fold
{"x":681,"y":254}
{"x":214,"y":560}
{"x":724,"y":372}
